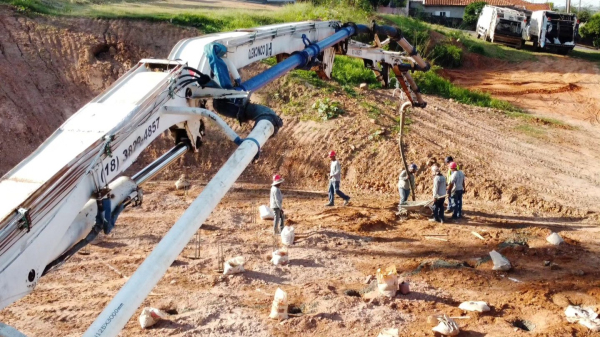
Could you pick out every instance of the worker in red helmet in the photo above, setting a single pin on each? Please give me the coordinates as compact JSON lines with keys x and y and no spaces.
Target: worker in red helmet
{"x":335,"y":175}
{"x":276,"y":204}
{"x":456,"y":188}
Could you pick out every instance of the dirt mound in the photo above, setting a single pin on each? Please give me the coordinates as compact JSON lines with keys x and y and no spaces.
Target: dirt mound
{"x":51,"y":67}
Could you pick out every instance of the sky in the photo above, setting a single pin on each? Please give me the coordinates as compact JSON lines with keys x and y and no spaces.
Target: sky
{"x":574,"y":3}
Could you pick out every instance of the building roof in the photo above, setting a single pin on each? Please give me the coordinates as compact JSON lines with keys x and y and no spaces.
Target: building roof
{"x":502,"y":3}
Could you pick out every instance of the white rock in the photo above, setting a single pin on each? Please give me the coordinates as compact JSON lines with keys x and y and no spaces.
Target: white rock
{"x":585,"y":316}
{"x":478,"y":306}
{"x":500,"y":262}
{"x":363,"y":86}
{"x":555,"y":239}
{"x":151,"y":316}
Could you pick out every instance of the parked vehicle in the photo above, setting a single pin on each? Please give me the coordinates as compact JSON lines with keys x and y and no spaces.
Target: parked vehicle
{"x":501,"y":25}
{"x":552,"y":31}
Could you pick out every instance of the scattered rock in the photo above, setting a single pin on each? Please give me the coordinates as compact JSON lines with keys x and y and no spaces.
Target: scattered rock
{"x":500,"y":262}
{"x":546,"y":263}
{"x":151,"y":316}
{"x":369,"y":279}
{"x":363,"y":86}
{"x":579,"y":272}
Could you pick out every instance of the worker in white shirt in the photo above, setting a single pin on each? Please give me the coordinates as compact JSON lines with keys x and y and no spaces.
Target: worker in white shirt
{"x":276,"y":204}
{"x":335,"y":175}
{"x":439,"y":194}
{"x":405,"y":181}
{"x":456,"y":188}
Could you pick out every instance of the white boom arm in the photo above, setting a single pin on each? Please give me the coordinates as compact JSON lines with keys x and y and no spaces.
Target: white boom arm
{"x":67,"y":191}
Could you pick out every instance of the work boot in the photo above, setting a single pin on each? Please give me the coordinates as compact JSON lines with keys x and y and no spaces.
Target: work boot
{"x":346,"y":202}
{"x":328,"y":204}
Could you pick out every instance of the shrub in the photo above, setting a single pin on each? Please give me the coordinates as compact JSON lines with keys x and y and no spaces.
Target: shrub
{"x":328,"y":109}
{"x":447,"y":55}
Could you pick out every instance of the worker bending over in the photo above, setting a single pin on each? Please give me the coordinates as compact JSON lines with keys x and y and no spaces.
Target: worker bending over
{"x":276,"y":204}
{"x":456,"y":188}
{"x":335,"y":175}
{"x":439,"y":194}
{"x":407,"y":179}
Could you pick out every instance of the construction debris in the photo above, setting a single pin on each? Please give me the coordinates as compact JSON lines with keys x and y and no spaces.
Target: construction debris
{"x":287,"y":235}
{"x":478,"y":306}
{"x":266,"y":212}
{"x":446,"y":325}
{"x":585,"y":316}
{"x":280,"y":257}
{"x":280,"y":305}
{"x":387,"y":281}
{"x":151,"y":316}
{"x":389,"y":333}
{"x":555,"y":239}
{"x":234,"y":266}
{"x":500,"y":262}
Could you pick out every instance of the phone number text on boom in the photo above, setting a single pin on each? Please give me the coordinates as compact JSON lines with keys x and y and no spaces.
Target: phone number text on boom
{"x":148,"y":132}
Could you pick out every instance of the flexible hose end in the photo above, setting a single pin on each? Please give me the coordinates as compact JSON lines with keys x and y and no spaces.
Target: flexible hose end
{"x":257,"y":112}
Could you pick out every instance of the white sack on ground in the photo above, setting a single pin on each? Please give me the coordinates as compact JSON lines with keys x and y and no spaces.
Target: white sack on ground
{"x":280,"y":305}
{"x":555,"y":239}
{"x":447,"y":326}
{"x":234,"y":266}
{"x":478,"y":306}
{"x":287,"y":235}
{"x":266,"y":213}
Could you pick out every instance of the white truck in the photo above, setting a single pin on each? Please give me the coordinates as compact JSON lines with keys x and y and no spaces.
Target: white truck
{"x":501,"y":25}
{"x":551,"y":31}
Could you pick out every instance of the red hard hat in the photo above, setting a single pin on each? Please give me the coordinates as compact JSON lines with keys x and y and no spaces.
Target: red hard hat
{"x":276,"y":177}
{"x":453,"y":165}
{"x":331,"y":154}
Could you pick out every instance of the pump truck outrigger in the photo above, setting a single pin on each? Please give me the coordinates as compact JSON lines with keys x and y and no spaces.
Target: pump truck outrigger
{"x":71,"y":188}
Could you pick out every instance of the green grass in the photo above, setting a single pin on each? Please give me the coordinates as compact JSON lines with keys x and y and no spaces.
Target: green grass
{"x":586,"y":54}
{"x":207,"y":19}
{"x":530,"y":130}
{"x":432,"y":83}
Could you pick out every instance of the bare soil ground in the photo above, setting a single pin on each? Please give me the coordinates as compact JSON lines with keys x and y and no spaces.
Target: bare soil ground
{"x":523,"y":185}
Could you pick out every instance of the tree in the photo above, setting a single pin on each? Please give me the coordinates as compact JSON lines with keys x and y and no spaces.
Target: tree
{"x":584,"y":15}
{"x":592,"y":29}
{"x":472,"y":13}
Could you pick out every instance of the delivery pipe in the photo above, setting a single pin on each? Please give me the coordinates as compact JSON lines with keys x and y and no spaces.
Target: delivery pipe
{"x":297,"y":59}
{"x":116,"y":314}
